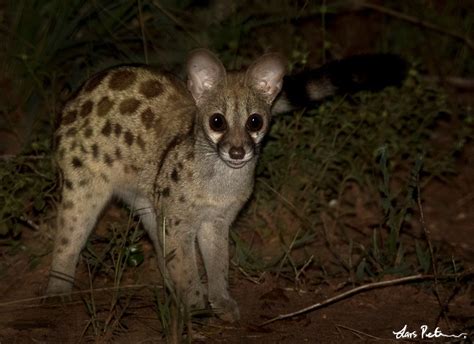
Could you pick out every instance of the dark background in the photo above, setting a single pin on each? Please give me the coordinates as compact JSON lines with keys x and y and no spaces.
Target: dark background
{"x":340,"y":191}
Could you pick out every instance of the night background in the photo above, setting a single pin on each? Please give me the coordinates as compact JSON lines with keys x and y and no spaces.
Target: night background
{"x":358,"y":189}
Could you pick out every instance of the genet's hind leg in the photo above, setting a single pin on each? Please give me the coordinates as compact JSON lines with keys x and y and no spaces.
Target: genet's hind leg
{"x":80,"y":207}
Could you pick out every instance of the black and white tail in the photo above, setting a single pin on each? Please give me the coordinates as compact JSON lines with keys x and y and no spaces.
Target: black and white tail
{"x":370,"y":72}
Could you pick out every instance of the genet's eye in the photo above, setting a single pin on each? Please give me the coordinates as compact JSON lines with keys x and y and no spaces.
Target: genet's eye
{"x":217,"y":122}
{"x":254,"y":122}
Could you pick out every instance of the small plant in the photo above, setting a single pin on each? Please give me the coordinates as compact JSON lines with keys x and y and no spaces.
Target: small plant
{"x":122,"y":251}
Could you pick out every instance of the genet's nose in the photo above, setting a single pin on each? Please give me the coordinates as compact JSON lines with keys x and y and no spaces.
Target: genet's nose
{"x":237,"y":153}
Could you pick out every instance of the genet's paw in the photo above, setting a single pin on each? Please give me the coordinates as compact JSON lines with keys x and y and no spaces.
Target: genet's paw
{"x":226,"y":309}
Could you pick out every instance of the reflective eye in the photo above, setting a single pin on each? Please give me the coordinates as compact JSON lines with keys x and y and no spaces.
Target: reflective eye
{"x":217,"y":122}
{"x":254,"y":122}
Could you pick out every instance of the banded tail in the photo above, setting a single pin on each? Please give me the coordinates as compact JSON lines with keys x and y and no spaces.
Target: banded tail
{"x":370,"y":72}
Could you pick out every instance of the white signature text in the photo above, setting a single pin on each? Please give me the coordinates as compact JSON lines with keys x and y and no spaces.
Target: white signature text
{"x":424,"y":332}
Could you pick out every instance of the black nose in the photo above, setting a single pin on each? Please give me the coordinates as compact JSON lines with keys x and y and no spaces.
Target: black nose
{"x":237,"y":153}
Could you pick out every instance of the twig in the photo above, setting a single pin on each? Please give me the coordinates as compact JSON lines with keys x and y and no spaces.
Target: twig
{"x":25,"y":157}
{"x":142,"y":29}
{"x":250,"y":278}
{"x":432,"y":255}
{"x":361,"y":334}
{"x":80,"y":292}
{"x":466,"y":199}
{"x":453,"y":81}
{"x":308,"y":262}
{"x":351,"y":292}
{"x":417,"y":21}
{"x":30,"y":223}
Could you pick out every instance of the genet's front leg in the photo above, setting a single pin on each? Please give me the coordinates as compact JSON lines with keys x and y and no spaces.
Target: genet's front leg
{"x":179,"y":250}
{"x":213,"y":238}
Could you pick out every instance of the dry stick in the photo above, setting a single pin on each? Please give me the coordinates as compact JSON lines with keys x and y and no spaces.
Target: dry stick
{"x":80,"y":292}
{"x":463,"y":84}
{"x":432,"y":256}
{"x":142,"y":29}
{"x":361,"y":334}
{"x":418,"y":21}
{"x":349,"y":293}
{"x":25,"y":157}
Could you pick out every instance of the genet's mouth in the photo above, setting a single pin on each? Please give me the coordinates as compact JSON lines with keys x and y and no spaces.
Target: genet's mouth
{"x":235,"y":163}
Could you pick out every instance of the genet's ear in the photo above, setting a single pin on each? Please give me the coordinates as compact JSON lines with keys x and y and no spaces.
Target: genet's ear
{"x":205,"y":72}
{"x":266,"y":75}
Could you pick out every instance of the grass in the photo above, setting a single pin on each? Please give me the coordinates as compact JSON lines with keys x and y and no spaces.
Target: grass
{"x":345,"y":144}
{"x":323,"y":169}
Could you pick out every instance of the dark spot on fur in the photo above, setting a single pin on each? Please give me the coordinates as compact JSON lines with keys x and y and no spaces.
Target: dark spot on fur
{"x":68,"y":205}
{"x":174,"y":97}
{"x":71,"y":132}
{"x":95,"y":81}
{"x":190,"y":155}
{"x":84,"y":182}
{"x":166,"y":192}
{"x":88,"y":132}
{"x":89,"y":195}
{"x":104,"y":177}
{"x":129,"y":137}
{"x":70,"y":117}
{"x":175,"y":141}
{"x":118,"y":153}
{"x":95,"y":151}
{"x":182,"y":199}
{"x":122,"y":80}
{"x":175,"y":175}
{"x":107,"y":128}
{"x":71,"y":229}
{"x":68,"y":184}
{"x":134,"y":168}
{"x":117,"y":130}
{"x":151,"y":88}
{"x":197,"y":293}
{"x":129,"y":106}
{"x":64,"y":241}
{"x":177,"y":222}
{"x":140,"y":142}
{"x":180,"y":166}
{"x":147,"y":118}
{"x":76,"y":162}
{"x":107,"y":159}
{"x":104,"y":107}
{"x":86,"y":108}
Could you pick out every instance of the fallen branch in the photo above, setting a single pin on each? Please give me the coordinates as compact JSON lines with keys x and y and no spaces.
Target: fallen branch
{"x":357,"y":290}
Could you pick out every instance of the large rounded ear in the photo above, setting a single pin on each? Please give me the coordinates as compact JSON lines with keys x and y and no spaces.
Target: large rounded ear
{"x":205,"y":72}
{"x":266,"y":75}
